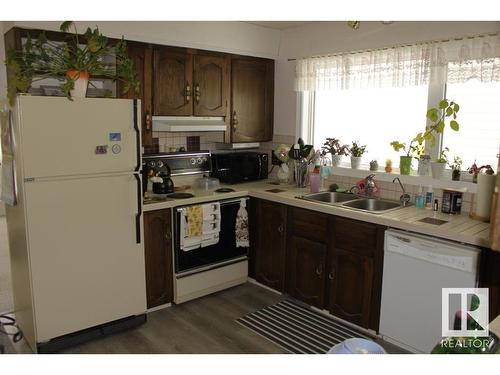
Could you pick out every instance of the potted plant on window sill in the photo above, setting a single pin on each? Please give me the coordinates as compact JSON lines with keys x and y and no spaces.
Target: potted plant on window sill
{"x":411,"y":151}
{"x":475,"y":170}
{"x":438,"y":165}
{"x":333,"y":147}
{"x":71,"y":63}
{"x":415,"y":148}
{"x":356,"y":152}
{"x":455,"y":168}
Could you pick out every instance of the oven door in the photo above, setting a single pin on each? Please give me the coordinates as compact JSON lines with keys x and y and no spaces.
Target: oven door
{"x":223,"y":252}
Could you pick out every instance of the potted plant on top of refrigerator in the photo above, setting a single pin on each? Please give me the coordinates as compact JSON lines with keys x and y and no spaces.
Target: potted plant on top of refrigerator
{"x":72,"y":62}
{"x":333,"y":147}
{"x":356,"y":152}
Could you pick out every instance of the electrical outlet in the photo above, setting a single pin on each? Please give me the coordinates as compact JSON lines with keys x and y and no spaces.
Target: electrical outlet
{"x":275,"y":160}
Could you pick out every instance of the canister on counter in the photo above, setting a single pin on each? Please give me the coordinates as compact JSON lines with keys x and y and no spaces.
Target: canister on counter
{"x":452,"y":202}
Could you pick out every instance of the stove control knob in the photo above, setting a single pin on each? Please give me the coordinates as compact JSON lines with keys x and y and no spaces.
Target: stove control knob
{"x":151,"y":164}
{"x":160,"y":164}
{"x":192,"y":161}
{"x":199,"y":161}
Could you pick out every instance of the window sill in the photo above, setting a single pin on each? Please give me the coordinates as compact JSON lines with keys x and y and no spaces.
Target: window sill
{"x":445,"y":183}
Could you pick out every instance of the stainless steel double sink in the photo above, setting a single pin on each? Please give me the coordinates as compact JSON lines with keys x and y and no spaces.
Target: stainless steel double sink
{"x":347,"y":200}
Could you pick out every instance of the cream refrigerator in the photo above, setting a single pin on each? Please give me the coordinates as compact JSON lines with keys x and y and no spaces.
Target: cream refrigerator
{"x":75,"y":232}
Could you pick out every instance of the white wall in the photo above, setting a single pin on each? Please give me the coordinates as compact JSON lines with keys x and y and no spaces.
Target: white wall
{"x":3,"y":91}
{"x":330,"y":37}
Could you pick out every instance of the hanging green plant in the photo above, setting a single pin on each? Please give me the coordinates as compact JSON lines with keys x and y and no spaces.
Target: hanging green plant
{"x":67,"y":62}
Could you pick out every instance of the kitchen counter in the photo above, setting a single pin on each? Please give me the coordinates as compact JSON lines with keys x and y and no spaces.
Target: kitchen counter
{"x":459,"y":228}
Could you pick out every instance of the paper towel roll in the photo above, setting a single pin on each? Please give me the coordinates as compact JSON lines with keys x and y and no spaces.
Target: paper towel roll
{"x":484,"y":193}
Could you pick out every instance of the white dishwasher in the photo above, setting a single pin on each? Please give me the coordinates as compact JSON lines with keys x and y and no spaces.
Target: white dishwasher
{"x":416,"y":268}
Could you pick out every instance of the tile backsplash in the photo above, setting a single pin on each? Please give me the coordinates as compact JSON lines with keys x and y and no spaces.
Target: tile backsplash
{"x":207,"y":140}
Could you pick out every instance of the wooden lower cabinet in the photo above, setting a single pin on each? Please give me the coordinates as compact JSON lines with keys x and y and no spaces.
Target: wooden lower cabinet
{"x":270,"y":219}
{"x":350,"y":284}
{"x":332,"y":262}
{"x":307,"y":265}
{"x":158,"y":257}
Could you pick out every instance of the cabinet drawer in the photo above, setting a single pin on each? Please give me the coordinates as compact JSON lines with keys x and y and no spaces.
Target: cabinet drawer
{"x":309,"y":224}
{"x":355,"y":236}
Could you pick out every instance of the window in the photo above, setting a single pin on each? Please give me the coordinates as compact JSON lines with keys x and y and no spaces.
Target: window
{"x":378,"y":96}
{"x":374,"y":117}
{"x":479,"y":118}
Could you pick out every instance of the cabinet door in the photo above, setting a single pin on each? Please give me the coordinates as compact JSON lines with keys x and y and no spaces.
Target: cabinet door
{"x":307,"y":270}
{"x":172,"y":83}
{"x":252,"y":95}
{"x":211,"y":85}
{"x":350,"y":286}
{"x":271,"y":241}
{"x":158,"y":254}
{"x":142,"y":57}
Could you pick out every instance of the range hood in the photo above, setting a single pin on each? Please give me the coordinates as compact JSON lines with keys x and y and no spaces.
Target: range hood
{"x":188,"y":124}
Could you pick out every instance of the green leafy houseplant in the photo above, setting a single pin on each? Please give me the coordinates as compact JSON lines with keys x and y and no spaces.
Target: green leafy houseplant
{"x":356,"y":152}
{"x":40,"y":58}
{"x":437,"y":166}
{"x":438,"y":116}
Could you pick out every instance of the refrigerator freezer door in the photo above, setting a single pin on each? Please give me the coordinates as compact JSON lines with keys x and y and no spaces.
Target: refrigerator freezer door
{"x":60,"y":137}
{"x":86,"y":266}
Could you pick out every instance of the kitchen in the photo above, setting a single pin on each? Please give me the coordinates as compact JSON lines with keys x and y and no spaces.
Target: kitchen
{"x":221,"y":112}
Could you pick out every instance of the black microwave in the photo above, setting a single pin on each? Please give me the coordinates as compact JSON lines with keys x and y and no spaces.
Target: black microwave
{"x":239,"y":166}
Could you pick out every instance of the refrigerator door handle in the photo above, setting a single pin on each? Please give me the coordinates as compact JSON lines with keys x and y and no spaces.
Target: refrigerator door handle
{"x":137,"y":137}
{"x":138,"y":215}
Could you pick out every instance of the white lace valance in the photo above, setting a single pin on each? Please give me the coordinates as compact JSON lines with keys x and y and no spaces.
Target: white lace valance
{"x":465,"y":59}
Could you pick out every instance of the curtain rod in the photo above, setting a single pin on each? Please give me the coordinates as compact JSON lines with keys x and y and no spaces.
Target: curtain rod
{"x":401,"y":45}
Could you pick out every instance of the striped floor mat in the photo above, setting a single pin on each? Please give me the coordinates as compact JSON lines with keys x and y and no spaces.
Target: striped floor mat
{"x":299,"y":329}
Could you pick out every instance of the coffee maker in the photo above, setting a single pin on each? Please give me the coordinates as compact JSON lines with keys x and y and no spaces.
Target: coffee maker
{"x":156,"y":178}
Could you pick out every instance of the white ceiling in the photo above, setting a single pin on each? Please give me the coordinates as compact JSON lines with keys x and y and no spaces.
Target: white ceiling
{"x":279,"y":25}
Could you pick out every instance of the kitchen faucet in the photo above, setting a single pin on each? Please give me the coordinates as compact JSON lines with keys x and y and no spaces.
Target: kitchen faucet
{"x":369,"y":187}
{"x":405,"y":197}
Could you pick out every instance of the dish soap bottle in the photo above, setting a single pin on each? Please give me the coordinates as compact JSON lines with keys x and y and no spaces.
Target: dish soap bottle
{"x":419,"y":199}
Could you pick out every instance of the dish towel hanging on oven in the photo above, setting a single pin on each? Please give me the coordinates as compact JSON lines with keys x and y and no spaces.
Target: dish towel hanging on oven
{"x":242,"y":225}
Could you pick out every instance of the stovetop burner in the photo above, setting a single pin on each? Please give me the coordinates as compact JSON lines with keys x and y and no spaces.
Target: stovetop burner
{"x":224,"y":190}
{"x":180,"y":195}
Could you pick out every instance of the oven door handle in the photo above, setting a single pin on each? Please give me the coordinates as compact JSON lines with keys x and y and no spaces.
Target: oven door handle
{"x":221,"y":202}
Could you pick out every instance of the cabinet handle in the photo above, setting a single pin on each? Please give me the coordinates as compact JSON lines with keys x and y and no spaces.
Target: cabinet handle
{"x":235,"y":120}
{"x":148,"y":121}
{"x":280,"y":228}
{"x":319,"y":270}
{"x":197,"y":93}
{"x":188,"y":92}
{"x":168,"y":236}
{"x":331,"y":275}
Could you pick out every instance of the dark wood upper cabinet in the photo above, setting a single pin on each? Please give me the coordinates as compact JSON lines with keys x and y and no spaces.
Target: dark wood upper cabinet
{"x":307,"y":267}
{"x":142,"y":57}
{"x":173,"y":82}
{"x":271,"y":244}
{"x":210,"y":85}
{"x":252,"y":100}
{"x":158,"y":257}
{"x":350,"y":277}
